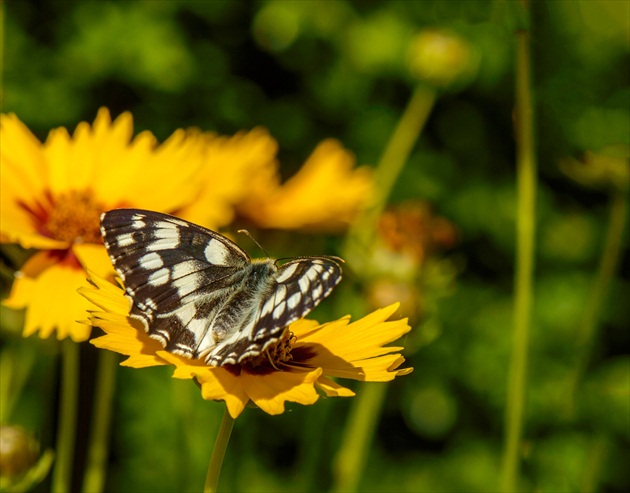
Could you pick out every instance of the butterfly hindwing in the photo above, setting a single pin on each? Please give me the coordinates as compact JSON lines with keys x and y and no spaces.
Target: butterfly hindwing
{"x":200,"y":294}
{"x":298,"y":287}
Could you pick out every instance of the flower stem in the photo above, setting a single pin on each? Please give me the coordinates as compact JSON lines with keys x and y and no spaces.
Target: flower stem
{"x":354,"y":447}
{"x":391,"y":164}
{"x":526,"y":225}
{"x":220,"y":446}
{"x":94,"y":478}
{"x":607,"y":267}
{"x":66,"y":432}
{"x":357,"y":438}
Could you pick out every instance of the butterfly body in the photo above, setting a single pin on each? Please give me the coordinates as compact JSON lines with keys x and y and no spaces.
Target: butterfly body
{"x":200,"y":294}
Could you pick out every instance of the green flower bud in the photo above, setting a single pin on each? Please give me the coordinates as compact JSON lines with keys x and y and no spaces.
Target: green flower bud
{"x":18,"y":452}
{"x":441,"y":58}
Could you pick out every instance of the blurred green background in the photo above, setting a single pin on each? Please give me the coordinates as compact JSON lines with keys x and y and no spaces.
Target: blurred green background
{"x":308,"y":70}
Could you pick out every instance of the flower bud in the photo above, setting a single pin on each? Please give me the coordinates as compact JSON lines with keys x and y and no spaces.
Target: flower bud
{"x":18,"y":453}
{"x":441,"y":58}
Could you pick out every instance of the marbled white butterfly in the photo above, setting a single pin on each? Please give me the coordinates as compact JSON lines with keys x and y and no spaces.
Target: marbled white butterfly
{"x":200,"y":294}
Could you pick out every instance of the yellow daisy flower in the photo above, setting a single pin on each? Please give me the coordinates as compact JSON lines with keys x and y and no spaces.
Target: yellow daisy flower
{"x":325,"y":194}
{"x":226,"y":177}
{"x":53,"y":193}
{"x":302,"y":363}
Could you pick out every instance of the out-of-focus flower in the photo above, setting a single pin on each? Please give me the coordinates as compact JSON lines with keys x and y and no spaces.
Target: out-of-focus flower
{"x":294,"y":370}
{"x":413,"y":229}
{"x":325,"y":194}
{"x":18,"y":452}
{"x":408,"y":235}
{"x":226,"y":178}
{"x":21,"y":465}
{"x":441,"y":58}
{"x":54,"y":192}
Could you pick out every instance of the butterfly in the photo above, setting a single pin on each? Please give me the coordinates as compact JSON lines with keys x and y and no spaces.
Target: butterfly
{"x":201,"y":295}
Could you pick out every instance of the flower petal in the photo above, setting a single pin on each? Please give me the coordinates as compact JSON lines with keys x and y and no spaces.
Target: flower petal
{"x":270,"y":392}
{"x":217,"y":383}
{"x":23,"y":185}
{"x":52,"y":302}
{"x":94,"y":259}
{"x":361,"y":339}
{"x":231,"y":166}
{"x":126,"y":336}
{"x":326,"y":193}
{"x":105,"y":157}
{"x":333,"y":389}
{"x":356,"y":350}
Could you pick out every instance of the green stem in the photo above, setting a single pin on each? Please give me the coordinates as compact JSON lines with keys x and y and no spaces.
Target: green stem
{"x":594,"y":463}
{"x":66,"y":432}
{"x":607,"y":267}
{"x":390,"y":166}
{"x":16,"y":362}
{"x":355,"y":445}
{"x":220,"y":446}
{"x":313,"y":449}
{"x":526,"y":224}
{"x":98,"y":448}
{"x":353,"y":451}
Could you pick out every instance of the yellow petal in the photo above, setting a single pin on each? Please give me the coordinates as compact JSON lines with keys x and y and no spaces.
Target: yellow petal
{"x":270,"y":392}
{"x":23,"y":185}
{"x":357,"y":350}
{"x":122,"y":170}
{"x":52,"y":303}
{"x":126,"y":336}
{"x":217,"y":384}
{"x":231,"y":166}
{"x":94,"y":259}
{"x":333,"y":389}
{"x":106,"y":295}
{"x":361,"y":339}
{"x":325,"y":194}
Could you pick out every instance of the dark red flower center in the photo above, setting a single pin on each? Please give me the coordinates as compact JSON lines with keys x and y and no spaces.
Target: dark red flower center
{"x":70,"y":216}
{"x":269,"y":360}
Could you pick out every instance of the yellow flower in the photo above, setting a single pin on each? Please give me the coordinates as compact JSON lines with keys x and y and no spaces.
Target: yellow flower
{"x":325,"y":194}
{"x":226,"y":177}
{"x":294,"y":370}
{"x":53,"y":193}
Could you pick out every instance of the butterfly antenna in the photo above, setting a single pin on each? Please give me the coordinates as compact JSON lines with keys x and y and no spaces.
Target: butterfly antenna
{"x":245,"y":232}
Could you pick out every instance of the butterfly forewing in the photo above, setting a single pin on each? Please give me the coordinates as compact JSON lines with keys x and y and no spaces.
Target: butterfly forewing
{"x":200,"y":295}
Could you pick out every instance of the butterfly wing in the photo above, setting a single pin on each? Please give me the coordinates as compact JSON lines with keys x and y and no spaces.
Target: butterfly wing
{"x":298,"y":287}
{"x":177,"y":274}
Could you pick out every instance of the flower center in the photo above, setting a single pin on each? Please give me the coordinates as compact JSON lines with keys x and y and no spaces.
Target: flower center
{"x":273,"y":356}
{"x":75,"y":217}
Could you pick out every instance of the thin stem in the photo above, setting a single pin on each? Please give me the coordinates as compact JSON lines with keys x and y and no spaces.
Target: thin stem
{"x":352,"y":455}
{"x":66,"y":432}
{"x":220,"y":446}
{"x":16,"y":362}
{"x":596,"y":459}
{"x":526,"y":211}
{"x":98,"y":448}
{"x":592,"y":311}
{"x":390,"y":166}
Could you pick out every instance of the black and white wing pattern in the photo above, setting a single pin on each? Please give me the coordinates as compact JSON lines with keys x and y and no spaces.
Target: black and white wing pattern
{"x":200,"y":294}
